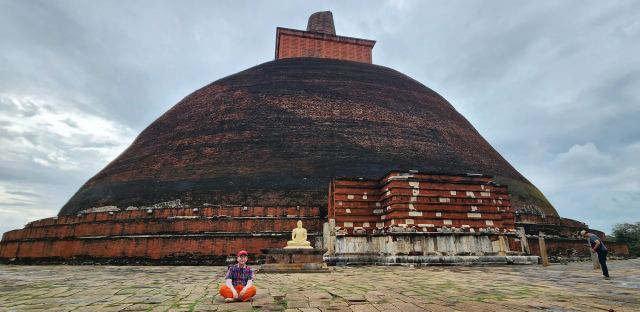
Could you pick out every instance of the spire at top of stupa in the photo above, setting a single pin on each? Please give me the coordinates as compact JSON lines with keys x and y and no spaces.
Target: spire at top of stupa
{"x":321,"y":22}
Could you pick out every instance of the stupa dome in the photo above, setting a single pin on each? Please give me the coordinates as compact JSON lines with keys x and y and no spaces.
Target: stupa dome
{"x":278,"y":133}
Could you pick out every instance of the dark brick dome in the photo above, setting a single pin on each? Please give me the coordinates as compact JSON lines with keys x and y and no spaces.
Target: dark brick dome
{"x":277,"y":133}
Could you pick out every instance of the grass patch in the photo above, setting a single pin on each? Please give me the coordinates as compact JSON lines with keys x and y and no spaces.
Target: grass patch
{"x":149,"y":309}
{"x":525,"y":291}
{"x":280,"y":301}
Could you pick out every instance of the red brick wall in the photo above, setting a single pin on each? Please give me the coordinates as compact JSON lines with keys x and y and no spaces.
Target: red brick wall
{"x":295,"y":43}
{"x":139,"y":247}
{"x":560,"y":245}
{"x":211,"y":231}
{"x":417,"y":199}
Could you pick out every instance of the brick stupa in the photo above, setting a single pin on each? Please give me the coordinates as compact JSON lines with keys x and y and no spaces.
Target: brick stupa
{"x":320,"y":134}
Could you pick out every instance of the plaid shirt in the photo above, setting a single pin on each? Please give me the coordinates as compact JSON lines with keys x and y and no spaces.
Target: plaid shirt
{"x":239,"y":276}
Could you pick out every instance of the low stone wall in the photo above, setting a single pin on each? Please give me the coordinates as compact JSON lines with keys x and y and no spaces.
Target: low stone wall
{"x":205,"y":233}
{"x":441,"y":244}
{"x":569,"y":249}
{"x":429,"y":260}
{"x":550,"y":225}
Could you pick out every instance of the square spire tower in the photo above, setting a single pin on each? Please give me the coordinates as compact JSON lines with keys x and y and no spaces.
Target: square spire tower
{"x":320,"y":41}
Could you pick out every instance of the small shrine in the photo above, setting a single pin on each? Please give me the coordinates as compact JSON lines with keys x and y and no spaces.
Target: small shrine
{"x":297,"y":257}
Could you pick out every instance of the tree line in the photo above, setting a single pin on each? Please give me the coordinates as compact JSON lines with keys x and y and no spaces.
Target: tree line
{"x":629,"y":234}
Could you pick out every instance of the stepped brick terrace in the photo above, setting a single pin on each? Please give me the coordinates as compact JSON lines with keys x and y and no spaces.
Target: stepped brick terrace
{"x":572,"y":287}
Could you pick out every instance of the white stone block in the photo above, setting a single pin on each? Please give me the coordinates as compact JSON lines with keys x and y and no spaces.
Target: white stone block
{"x":447,"y":222}
{"x":474,"y":208}
{"x":379,"y":225}
{"x":470,"y":193}
{"x":411,"y":207}
{"x":365,"y":224}
{"x":453,"y":192}
{"x":415,"y":213}
{"x":444,"y":199}
{"x":388,"y":193}
{"x":408,"y":221}
{"x":377,"y":211}
{"x":393,"y":221}
{"x":350,"y":196}
{"x":348,"y":210}
{"x":378,"y":204}
{"x":383,"y":217}
{"x":413,"y":198}
{"x":471,"y":230}
{"x":479,"y":201}
{"x":485,"y":194}
{"x":339,"y":203}
{"x":426,"y":225}
{"x":474,"y":215}
{"x":489,"y":222}
{"x":438,"y":214}
{"x":364,"y":196}
{"x":416,"y":192}
{"x":347,"y":224}
{"x":464,"y":226}
{"x":414,"y":184}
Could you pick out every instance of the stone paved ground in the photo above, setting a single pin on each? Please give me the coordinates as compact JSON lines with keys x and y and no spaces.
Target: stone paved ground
{"x":573,"y":287}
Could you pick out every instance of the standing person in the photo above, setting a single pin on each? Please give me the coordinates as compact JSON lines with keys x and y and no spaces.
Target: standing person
{"x":598,"y":246}
{"x":239,"y":278}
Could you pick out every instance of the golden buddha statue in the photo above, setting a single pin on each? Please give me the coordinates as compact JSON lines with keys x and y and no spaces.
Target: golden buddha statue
{"x":299,"y":238}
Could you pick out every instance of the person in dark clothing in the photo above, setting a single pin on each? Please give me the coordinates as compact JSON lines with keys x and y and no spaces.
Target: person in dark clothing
{"x":597,"y":246}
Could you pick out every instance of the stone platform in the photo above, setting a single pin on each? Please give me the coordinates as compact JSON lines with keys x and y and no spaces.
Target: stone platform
{"x":294,"y":261}
{"x":352,"y":260}
{"x":572,"y":287}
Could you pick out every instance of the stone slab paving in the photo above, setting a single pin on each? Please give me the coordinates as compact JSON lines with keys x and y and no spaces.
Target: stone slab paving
{"x":572,"y":287}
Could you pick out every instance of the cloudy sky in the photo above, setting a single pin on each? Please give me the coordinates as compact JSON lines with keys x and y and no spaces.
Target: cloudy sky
{"x":554,"y":86}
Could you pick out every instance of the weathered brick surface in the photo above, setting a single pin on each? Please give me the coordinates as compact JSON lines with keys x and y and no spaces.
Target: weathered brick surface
{"x":140,"y":247}
{"x":556,"y":246}
{"x":321,"y":22}
{"x":552,"y":225}
{"x":292,"y":43}
{"x":207,"y":233}
{"x":278,"y":133}
{"x":415,"y":199}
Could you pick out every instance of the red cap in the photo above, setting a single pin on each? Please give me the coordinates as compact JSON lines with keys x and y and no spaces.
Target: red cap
{"x":242,"y":252}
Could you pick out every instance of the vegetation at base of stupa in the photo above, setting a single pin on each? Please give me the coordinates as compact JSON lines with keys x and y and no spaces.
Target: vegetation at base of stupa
{"x":629,"y":234}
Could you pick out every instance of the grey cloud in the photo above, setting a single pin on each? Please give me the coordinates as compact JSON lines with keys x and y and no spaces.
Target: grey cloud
{"x":70,"y":123}
{"x":28,"y":194}
{"x":23,"y":204}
